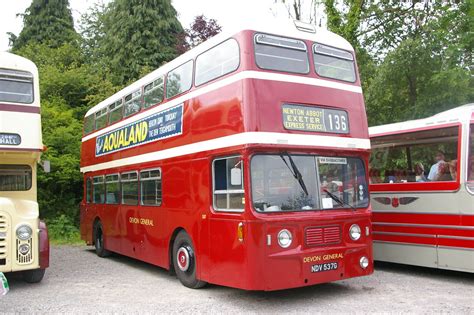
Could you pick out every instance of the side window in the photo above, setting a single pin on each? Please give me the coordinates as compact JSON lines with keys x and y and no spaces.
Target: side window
{"x":132,"y":103}
{"x":150,"y":182}
{"x":89,"y":124}
{"x":228,"y":184}
{"x":217,"y":61}
{"x":129,"y":183}
{"x":101,"y":119}
{"x":112,"y":189}
{"x":115,"y":111}
{"x":423,"y":156}
{"x":334,"y":63}
{"x":179,"y":80}
{"x":89,"y":190}
{"x":98,"y":189}
{"x":153,"y":93}
{"x":281,"y":54}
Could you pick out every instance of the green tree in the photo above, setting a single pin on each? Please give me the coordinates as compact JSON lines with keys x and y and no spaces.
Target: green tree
{"x":128,"y":35}
{"x":47,"y":22}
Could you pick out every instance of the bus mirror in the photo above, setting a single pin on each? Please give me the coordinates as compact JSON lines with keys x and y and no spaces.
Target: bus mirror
{"x":236,"y":176}
{"x":46,"y":166}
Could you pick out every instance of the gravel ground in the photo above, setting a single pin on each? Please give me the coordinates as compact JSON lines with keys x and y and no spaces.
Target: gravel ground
{"x":80,"y":282}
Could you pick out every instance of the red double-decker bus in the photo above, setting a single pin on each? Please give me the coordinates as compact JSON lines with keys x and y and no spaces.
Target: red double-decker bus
{"x":242,"y":163}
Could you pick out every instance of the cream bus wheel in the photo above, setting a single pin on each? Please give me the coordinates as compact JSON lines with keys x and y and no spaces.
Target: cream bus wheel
{"x":184,"y":261}
{"x":99,"y":241}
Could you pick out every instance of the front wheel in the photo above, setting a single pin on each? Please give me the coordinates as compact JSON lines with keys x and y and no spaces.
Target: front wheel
{"x":33,"y":276}
{"x":99,"y":241}
{"x":184,"y":261}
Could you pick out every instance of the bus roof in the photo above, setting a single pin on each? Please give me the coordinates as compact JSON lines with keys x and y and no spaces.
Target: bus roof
{"x":15,"y":62}
{"x":283,"y":28}
{"x":461,"y":114}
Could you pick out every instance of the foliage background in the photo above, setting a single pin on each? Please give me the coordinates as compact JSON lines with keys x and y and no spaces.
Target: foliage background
{"x":415,"y":58}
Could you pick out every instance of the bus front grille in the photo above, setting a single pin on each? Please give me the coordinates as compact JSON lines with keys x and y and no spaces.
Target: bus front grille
{"x":27,"y":258}
{"x":4,"y":226}
{"x":324,"y":235}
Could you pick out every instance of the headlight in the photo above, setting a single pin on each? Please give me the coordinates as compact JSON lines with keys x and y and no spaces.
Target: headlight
{"x":364,"y":262}
{"x":24,"y":232}
{"x":354,"y":232}
{"x":24,"y":249}
{"x":284,"y":238}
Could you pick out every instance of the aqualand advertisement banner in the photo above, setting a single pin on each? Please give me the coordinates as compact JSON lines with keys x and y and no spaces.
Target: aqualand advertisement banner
{"x":161,"y":125}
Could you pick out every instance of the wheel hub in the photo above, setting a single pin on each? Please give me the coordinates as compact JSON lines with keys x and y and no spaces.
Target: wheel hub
{"x":183,"y":258}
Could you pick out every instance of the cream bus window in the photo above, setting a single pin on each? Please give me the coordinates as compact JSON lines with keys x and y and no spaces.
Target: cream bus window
{"x":217,"y":61}
{"x":228,"y":197}
{"x":16,"y":86}
{"x":133,"y":103}
{"x":101,"y":119}
{"x":409,"y":157}
{"x":153,"y":93}
{"x":15,"y":177}
{"x":129,"y":183}
{"x":150,"y":181}
{"x":115,"y":111}
{"x":179,"y":80}
{"x":112,"y":189}
{"x":98,"y":189}
{"x":334,"y":63}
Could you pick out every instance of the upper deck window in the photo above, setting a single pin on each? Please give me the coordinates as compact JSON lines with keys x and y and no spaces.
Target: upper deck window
{"x":217,"y":61}
{"x":132,"y":103}
{"x":101,"y":119}
{"x":89,"y":124}
{"x":179,"y":80}
{"x":281,"y":54}
{"x":115,"y":111}
{"x":334,"y":63}
{"x":15,"y":177}
{"x":153,"y":93}
{"x":16,"y":86}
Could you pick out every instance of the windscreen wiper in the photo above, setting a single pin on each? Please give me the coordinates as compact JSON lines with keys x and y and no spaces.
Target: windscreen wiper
{"x":338,"y":200}
{"x":295,"y":172}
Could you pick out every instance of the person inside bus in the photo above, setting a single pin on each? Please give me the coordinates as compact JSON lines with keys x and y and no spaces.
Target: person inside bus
{"x":420,"y":173}
{"x":453,"y":169}
{"x":443,"y":173}
{"x":434,"y":170}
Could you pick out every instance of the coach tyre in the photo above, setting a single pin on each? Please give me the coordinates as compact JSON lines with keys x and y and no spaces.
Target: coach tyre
{"x":99,"y":240}
{"x":184,"y":261}
{"x":33,"y":276}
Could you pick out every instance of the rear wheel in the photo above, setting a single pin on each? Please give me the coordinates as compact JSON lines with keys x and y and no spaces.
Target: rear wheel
{"x":99,"y":240}
{"x":184,"y":261}
{"x":33,"y":276}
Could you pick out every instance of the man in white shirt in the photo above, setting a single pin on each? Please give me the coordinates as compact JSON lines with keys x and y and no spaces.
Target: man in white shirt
{"x":439,"y":158}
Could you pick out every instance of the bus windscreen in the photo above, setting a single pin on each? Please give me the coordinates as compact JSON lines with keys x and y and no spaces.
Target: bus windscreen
{"x":16,"y":86}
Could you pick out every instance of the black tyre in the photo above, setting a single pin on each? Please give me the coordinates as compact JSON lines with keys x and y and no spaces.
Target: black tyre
{"x":184,"y":261}
{"x":99,"y":241}
{"x":33,"y":276}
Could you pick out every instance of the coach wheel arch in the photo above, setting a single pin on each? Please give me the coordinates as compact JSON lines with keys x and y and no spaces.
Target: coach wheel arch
{"x":170,"y":249}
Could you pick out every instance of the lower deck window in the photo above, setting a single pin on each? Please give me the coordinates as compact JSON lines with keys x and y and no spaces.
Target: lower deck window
{"x":89,"y":190}
{"x":98,"y":190}
{"x":228,"y":184}
{"x":129,"y":188}
{"x":112,"y":189}
{"x":15,"y":177}
{"x":150,"y":182}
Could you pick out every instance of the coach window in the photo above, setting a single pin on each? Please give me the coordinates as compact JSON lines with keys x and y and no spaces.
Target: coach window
{"x":98,"y":189}
{"x":101,"y":119}
{"x":132,"y":103}
{"x":89,"y":124}
{"x":14,"y":177}
{"x":112,"y":189}
{"x":129,"y":183}
{"x":334,"y":63}
{"x":217,"y":61}
{"x":115,"y":111}
{"x":470,"y":161}
{"x":153,"y":93}
{"x":228,"y":184}
{"x":411,"y":157}
{"x":89,"y":190}
{"x":179,"y":80}
{"x":150,"y":182}
{"x":281,"y":54}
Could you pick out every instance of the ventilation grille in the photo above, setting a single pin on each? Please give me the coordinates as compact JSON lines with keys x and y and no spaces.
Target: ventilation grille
{"x":317,"y":236}
{"x":3,"y":239}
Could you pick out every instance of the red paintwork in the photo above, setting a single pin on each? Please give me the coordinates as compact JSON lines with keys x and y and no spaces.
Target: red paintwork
{"x":43,"y":246}
{"x":247,"y":105}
